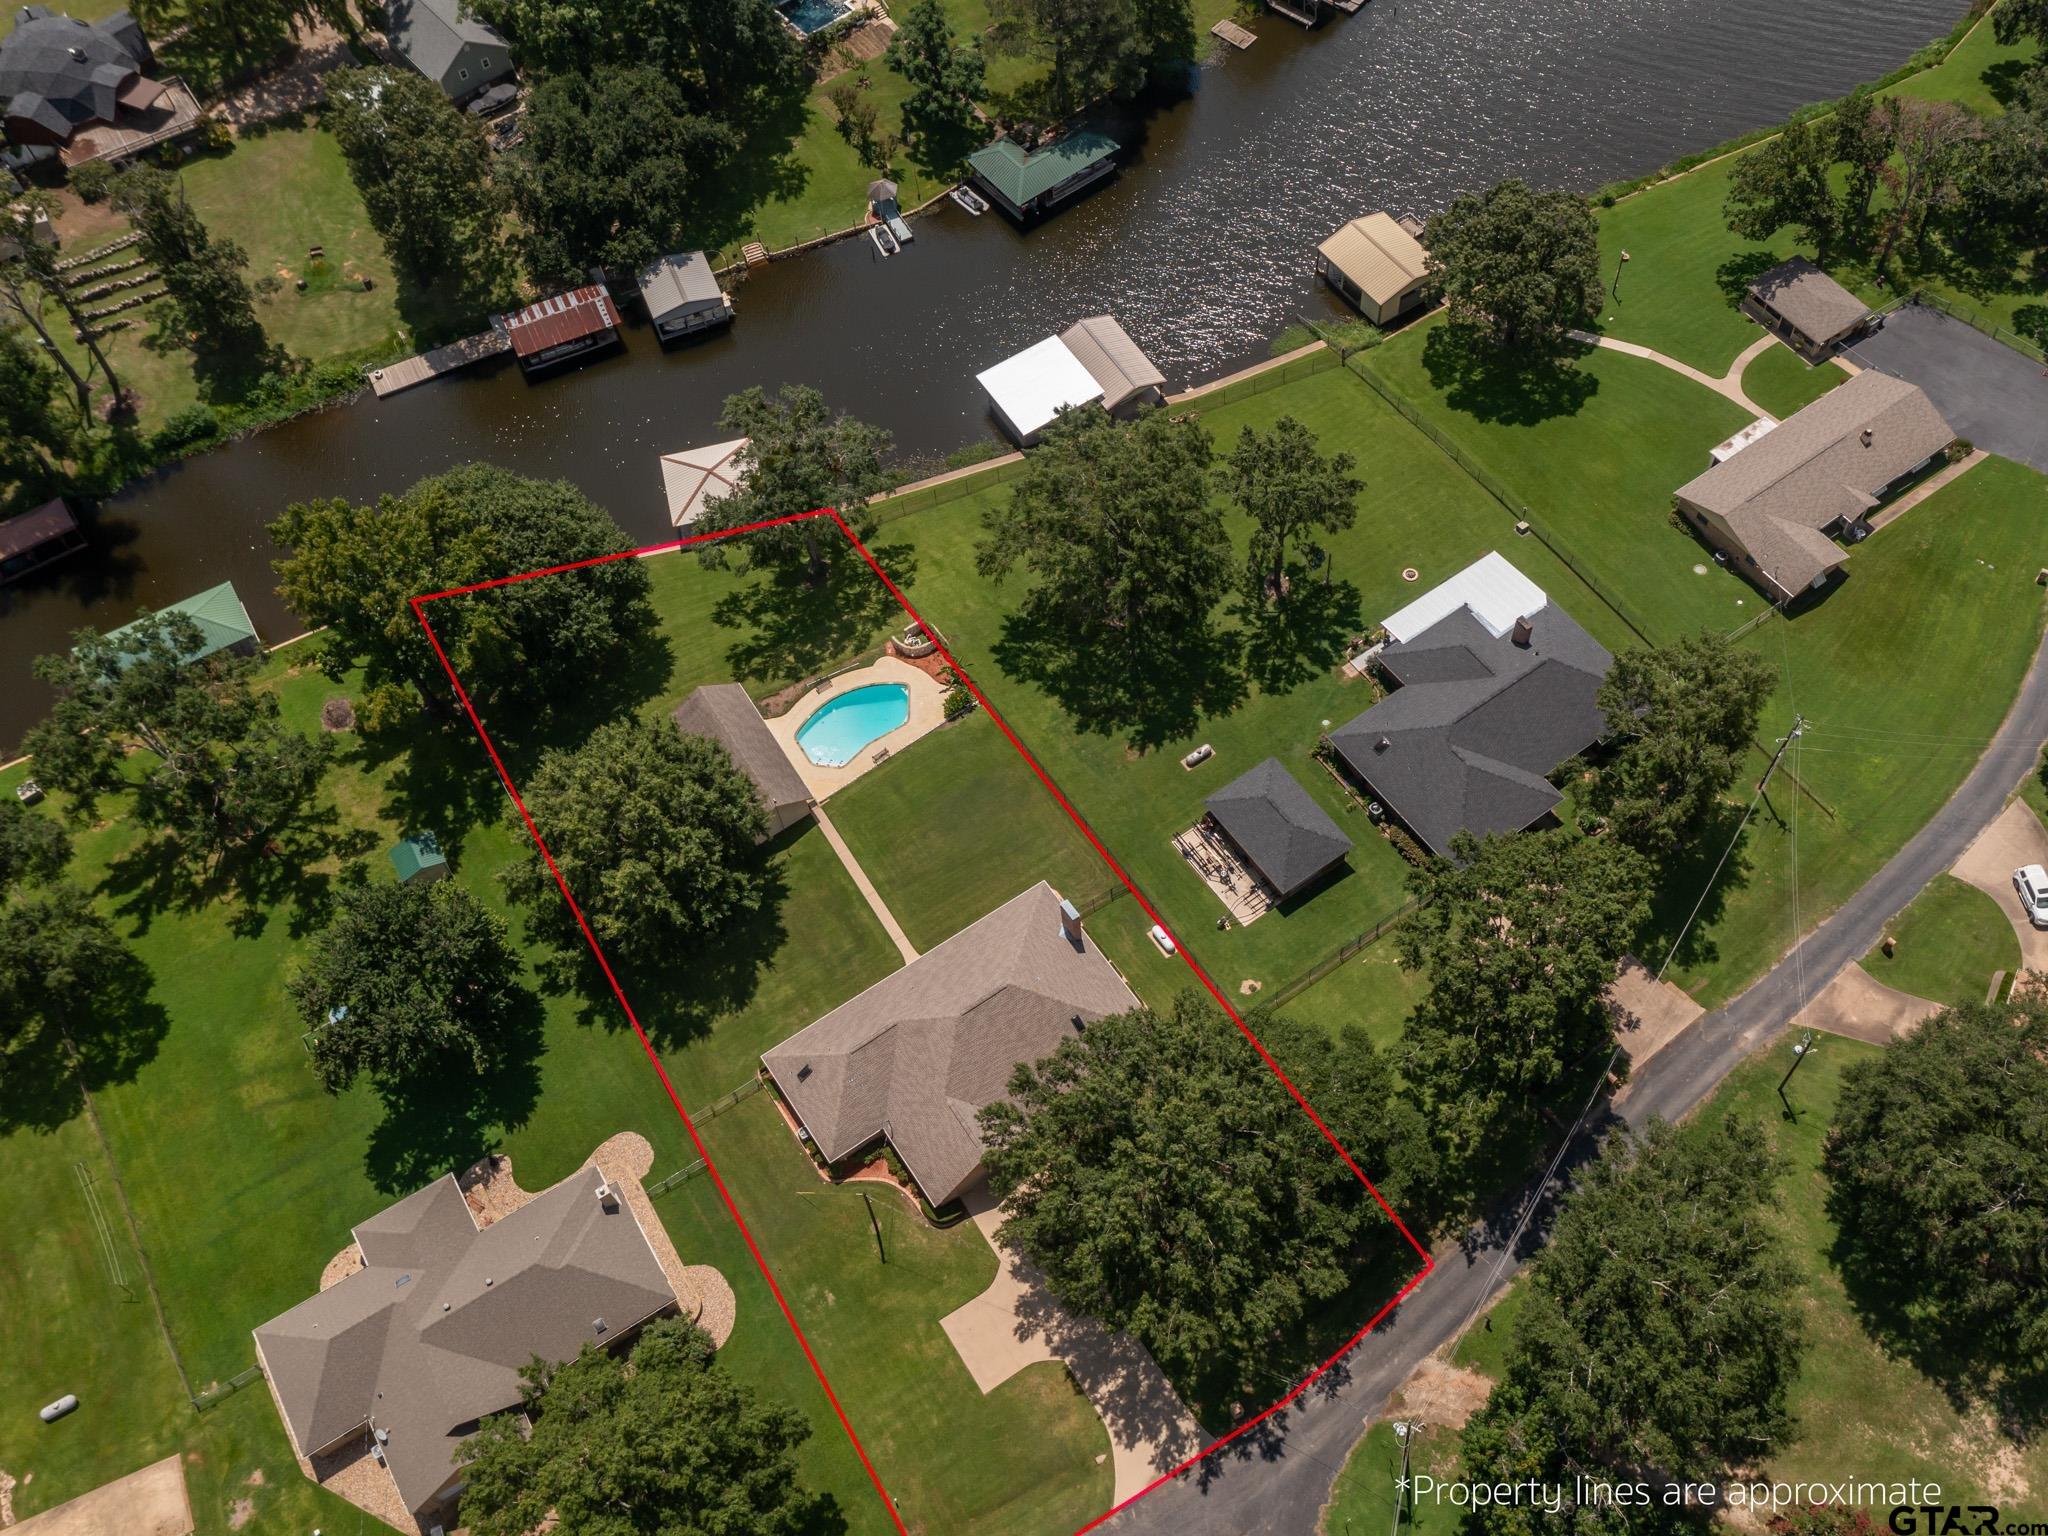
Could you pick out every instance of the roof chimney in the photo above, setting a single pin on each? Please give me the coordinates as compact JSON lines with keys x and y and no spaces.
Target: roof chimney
{"x":1070,"y":922}
{"x":1523,"y":630}
{"x":1866,"y":437}
{"x":605,"y":1197}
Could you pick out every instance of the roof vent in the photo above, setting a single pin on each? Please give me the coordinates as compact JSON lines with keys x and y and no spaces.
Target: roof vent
{"x":803,"y":1072}
{"x":487,"y":1280}
{"x":76,"y":52}
{"x":1866,"y":437}
{"x":598,"y":1323}
{"x":1523,"y":630}
{"x":1382,"y":744}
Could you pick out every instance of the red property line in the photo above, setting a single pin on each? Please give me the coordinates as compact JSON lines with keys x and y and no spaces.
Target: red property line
{"x":1428,"y":1264}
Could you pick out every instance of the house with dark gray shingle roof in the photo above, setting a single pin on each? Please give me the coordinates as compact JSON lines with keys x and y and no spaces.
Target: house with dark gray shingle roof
{"x":441,"y":40}
{"x":59,"y":75}
{"x":429,"y":1335}
{"x":1282,"y":833}
{"x":915,"y":1058}
{"x":724,"y":713}
{"x":1479,"y":717}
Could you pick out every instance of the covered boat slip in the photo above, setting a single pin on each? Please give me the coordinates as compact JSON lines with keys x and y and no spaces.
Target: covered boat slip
{"x":34,"y":539}
{"x":1378,"y":263}
{"x":682,"y":295}
{"x":1027,"y":183}
{"x":1093,"y":361}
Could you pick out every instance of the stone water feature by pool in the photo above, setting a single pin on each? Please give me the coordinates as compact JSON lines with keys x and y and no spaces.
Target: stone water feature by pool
{"x":837,"y":730}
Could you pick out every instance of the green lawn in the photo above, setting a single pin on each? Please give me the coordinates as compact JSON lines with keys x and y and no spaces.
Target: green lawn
{"x":1893,"y":723}
{"x":1371,"y":990}
{"x":1686,"y":270}
{"x":1594,"y":453}
{"x":1779,"y":380}
{"x":1020,"y":1460}
{"x":1363,"y":1497}
{"x":1416,"y":510}
{"x":278,"y":193}
{"x":1949,"y":942}
{"x":957,"y":824}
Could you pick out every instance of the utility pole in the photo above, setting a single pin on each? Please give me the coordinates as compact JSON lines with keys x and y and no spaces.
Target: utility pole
{"x":1405,"y":1433}
{"x":881,"y":1252}
{"x":1784,"y":742}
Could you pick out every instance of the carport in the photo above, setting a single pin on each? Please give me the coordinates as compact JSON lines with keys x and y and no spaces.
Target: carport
{"x":1992,"y":395}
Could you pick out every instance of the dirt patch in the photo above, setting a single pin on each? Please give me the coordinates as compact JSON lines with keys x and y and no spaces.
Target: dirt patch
{"x":1442,"y":1394}
{"x":6,"y":1498}
{"x":255,"y":1479}
{"x":148,"y":1502}
{"x":240,"y":1513}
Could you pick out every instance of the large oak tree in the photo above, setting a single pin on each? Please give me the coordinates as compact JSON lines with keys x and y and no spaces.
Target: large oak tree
{"x":1517,"y":267}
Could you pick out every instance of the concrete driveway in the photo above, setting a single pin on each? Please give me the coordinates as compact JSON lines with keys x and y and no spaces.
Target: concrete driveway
{"x":2015,"y":838}
{"x":1860,"y":1006}
{"x":1015,"y":1323}
{"x":1992,"y":395}
{"x":150,"y":1502}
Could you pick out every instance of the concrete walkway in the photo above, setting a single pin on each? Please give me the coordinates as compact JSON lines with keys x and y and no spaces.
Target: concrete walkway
{"x":1858,"y":1005}
{"x":2015,"y":838}
{"x":866,"y":887}
{"x":1927,"y":488}
{"x":1728,"y":384}
{"x":1015,"y":1323}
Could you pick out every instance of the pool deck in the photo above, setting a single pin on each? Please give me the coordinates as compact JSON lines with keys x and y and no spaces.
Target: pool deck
{"x":927,"y":712}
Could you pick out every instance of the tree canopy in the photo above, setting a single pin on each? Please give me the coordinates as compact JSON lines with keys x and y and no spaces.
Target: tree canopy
{"x":541,"y":643}
{"x":422,"y":166}
{"x":655,"y":833}
{"x":1681,"y":718}
{"x":1517,"y":267}
{"x":1938,"y":1171}
{"x":659,"y":1443}
{"x":1289,"y":490}
{"x":61,"y":963}
{"x":1518,"y":936}
{"x":208,"y":305}
{"x":723,"y":53}
{"x":613,"y":169}
{"x":1784,"y":180}
{"x":1113,"y":523}
{"x":35,"y":429}
{"x":34,"y":848}
{"x":1167,"y":1184}
{"x":1658,"y":1337}
{"x":224,"y":772}
{"x":800,"y":456}
{"x":1093,"y":48}
{"x":406,"y":981}
{"x":946,"y":79}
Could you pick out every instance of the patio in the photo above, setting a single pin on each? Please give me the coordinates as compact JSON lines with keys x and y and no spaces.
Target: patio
{"x":1223,"y":869}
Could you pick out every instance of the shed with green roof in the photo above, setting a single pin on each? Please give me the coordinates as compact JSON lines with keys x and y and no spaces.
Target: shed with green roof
{"x":1028,"y":183}
{"x":419,"y":859}
{"x":224,"y":624}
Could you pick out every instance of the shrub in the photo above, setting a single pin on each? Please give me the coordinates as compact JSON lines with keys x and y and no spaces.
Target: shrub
{"x":194,"y":424}
{"x":958,"y":702}
{"x":1406,"y":845}
{"x":217,"y":134}
{"x":92,"y":180}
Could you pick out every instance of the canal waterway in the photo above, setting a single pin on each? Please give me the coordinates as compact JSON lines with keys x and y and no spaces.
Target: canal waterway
{"x":1202,"y":247}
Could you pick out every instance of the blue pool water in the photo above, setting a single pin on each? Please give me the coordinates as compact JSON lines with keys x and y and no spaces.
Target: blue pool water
{"x":833,"y":735}
{"x":809,"y":16}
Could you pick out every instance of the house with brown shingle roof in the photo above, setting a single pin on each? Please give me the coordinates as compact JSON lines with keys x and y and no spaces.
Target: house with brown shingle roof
{"x":429,"y":1336}
{"x":1774,"y":507}
{"x":914,"y":1059}
{"x":1806,"y":309}
{"x":724,"y":712}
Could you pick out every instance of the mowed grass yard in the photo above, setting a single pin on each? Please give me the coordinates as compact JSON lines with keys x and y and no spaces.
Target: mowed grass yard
{"x":1686,"y":270}
{"x":1949,"y":943}
{"x":1779,"y":380}
{"x":277,"y":193}
{"x":1416,"y":510}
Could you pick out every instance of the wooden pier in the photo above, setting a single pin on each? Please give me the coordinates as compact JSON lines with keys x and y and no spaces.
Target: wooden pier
{"x":1233,"y":34}
{"x":431,"y":365}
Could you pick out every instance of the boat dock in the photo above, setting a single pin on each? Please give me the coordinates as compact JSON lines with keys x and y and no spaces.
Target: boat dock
{"x":1233,"y":34}
{"x":431,"y":365}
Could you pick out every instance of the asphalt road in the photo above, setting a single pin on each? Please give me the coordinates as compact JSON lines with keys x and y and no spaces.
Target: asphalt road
{"x":1277,"y":1482}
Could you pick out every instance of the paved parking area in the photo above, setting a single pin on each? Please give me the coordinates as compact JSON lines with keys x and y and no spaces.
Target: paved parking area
{"x":2016,"y":838}
{"x":1992,"y":395}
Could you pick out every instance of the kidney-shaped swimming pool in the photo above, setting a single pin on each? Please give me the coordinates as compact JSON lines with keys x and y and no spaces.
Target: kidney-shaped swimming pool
{"x":839,"y":728}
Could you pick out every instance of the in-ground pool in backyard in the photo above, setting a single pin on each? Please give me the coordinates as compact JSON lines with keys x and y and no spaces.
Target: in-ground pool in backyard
{"x":839,"y":728}
{"x":809,"y":16}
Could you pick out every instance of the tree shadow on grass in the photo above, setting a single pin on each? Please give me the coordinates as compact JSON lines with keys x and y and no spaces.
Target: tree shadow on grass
{"x":1152,"y":693}
{"x":444,"y":1121}
{"x":2002,"y":80}
{"x":1511,"y":388}
{"x":1973,"y":1369}
{"x":1291,"y":643}
{"x":112,"y":1034}
{"x":765,"y":169}
{"x":789,"y":629}
{"x":1683,"y":880}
